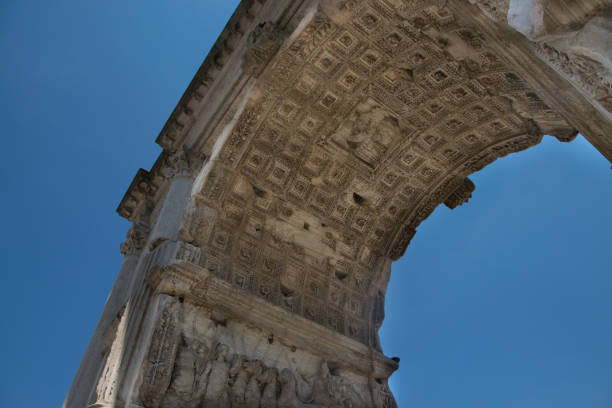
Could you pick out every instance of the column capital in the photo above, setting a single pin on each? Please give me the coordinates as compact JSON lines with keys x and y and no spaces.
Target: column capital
{"x":182,"y":163}
{"x":135,"y":242}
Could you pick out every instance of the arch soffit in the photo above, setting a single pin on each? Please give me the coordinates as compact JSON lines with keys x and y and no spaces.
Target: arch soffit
{"x":351,"y":133}
{"x":369,"y":119}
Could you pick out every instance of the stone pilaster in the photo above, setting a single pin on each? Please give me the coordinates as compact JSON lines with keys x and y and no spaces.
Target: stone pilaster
{"x":83,"y":389}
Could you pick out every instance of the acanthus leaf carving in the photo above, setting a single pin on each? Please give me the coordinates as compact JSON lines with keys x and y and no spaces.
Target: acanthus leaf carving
{"x":135,"y":242}
{"x":182,"y":163}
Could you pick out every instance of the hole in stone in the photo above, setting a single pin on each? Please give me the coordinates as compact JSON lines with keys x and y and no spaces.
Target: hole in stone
{"x":379,"y":380}
{"x":323,"y":225}
{"x":341,"y":275}
{"x":306,"y":226}
{"x":286,"y":291}
{"x":352,"y":144}
{"x":181,"y":299}
{"x":293,"y":349}
{"x":271,"y":339}
{"x":357,"y":198}
{"x":259,"y":192}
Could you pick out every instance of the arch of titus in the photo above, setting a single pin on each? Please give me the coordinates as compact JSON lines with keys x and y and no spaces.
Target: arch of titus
{"x":297,"y":166}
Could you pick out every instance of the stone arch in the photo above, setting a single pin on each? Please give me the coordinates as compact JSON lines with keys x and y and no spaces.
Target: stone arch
{"x":314,"y":183}
{"x":482,"y":268}
{"x":298,"y":165}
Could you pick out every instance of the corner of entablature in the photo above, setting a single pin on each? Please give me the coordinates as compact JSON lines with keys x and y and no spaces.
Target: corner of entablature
{"x":143,"y":188}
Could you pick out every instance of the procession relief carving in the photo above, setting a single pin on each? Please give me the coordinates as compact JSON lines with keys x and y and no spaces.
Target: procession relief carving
{"x":196,"y":362}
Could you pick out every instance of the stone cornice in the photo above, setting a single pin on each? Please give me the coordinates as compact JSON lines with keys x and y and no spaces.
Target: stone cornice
{"x":144,"y":186}
{"x":238,"y":27}
{"x":233,"y":42}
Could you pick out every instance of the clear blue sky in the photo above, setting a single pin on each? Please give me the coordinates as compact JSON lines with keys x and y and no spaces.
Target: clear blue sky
{"x":504,"y":302}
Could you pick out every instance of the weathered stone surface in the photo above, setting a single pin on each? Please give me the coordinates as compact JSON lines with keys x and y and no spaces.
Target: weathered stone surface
{"x":301,"y":160}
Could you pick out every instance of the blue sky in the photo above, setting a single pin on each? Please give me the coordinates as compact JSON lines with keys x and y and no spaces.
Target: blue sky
{"x":502,"y":302}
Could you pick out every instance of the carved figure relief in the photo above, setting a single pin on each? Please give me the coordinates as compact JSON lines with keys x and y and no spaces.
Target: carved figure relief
{"x":185,"y":372}
{"x":216,"y":374}
{"x":269,"y":380}
{"x":188,"y":384}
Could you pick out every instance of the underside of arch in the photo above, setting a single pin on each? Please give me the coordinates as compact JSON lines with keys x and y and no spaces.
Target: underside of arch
{"x":319,"y":135}
{"x":348,"y":134}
